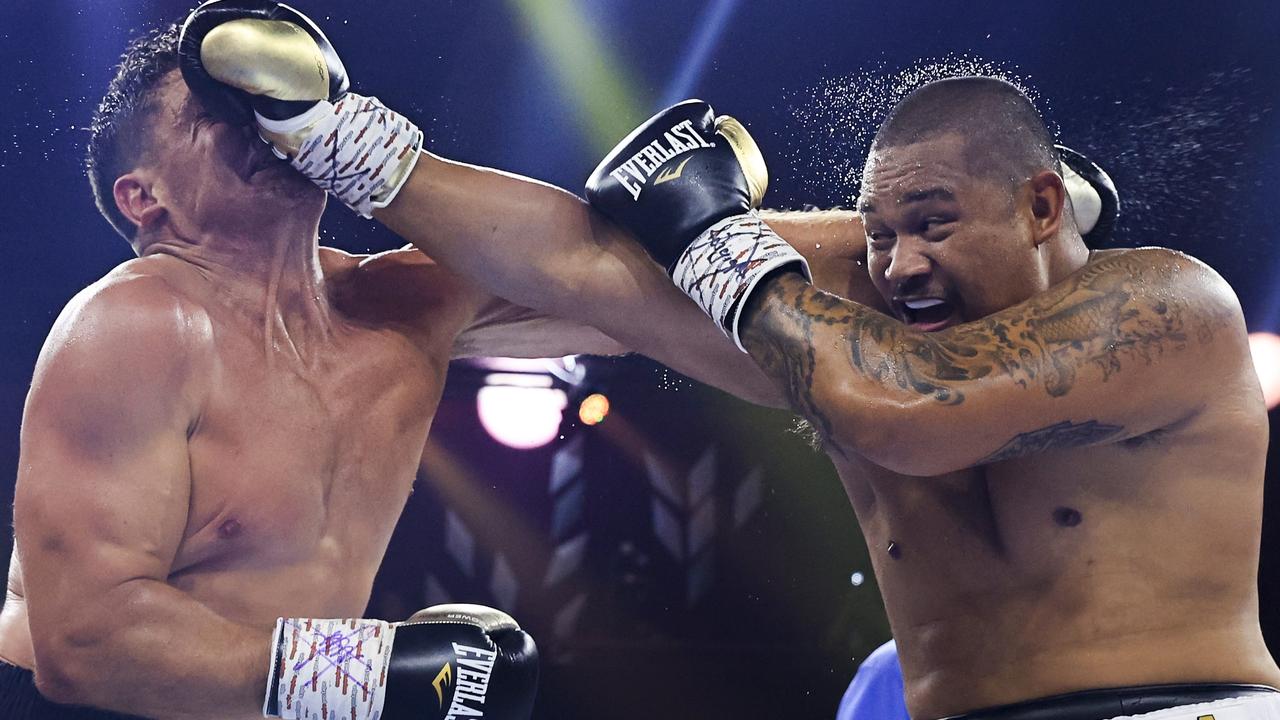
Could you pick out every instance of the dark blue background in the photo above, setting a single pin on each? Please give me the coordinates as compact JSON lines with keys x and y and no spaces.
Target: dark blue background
{"x":1176,"y":99}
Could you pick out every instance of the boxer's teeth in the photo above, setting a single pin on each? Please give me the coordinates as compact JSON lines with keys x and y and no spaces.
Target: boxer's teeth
{"x":922,"y":304}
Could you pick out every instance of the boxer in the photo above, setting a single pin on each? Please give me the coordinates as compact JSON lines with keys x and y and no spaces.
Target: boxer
{"x":219,"y":438}
{"x":1062,"y":524}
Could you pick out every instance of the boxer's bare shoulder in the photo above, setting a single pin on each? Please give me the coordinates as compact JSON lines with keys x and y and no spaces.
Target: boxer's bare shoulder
{"x":133,"y":323}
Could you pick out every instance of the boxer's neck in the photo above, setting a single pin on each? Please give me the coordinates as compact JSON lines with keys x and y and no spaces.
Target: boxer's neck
{"x":273,"y":278}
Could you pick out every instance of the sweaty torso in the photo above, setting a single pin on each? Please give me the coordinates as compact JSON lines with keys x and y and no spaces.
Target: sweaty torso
{"x":303,"y":453}
{"x":1131,"y":563}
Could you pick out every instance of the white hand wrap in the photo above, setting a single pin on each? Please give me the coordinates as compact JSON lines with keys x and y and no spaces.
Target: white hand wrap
{"x":724,"y":264}
{"x":328,"y":668}
{"x":357,"y":150}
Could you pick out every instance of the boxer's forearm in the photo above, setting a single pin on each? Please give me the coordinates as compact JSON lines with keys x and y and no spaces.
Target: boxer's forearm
{"x":156,"y":652}
{"x":520,"y":239}
{"x":800,"y":337}
{"x":544,"y":248}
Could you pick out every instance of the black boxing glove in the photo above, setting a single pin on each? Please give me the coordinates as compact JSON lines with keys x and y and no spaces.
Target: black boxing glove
{"x":443,"y":663}
{"x":1095,"y":202}
{"x":242,"y":54}
{"x":686,"y":183}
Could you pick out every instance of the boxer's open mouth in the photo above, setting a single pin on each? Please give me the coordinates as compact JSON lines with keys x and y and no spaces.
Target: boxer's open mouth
{"x":926,"y":313}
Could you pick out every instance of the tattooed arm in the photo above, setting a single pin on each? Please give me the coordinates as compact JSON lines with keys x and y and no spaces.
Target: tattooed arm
{"x":1105,"y":355}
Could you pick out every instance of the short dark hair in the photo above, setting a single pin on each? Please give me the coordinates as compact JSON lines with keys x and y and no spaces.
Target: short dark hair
{"x":121,"y":126}
{"x":1006,"y":138}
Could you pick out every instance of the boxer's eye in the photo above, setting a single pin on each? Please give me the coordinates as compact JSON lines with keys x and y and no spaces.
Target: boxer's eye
{"x":880,"y":240}
{"x":935,"y":229}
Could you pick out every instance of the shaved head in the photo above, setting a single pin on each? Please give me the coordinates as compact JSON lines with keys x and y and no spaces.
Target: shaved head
{"x":1005,"y":138}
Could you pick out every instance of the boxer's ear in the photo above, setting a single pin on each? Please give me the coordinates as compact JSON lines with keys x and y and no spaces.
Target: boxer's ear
{"x":134,"y":196}
{"x":1048,"y":202}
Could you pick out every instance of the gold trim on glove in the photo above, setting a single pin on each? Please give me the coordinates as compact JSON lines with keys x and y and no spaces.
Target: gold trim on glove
{"x":749,"y":156}
{"x":266,"y":57}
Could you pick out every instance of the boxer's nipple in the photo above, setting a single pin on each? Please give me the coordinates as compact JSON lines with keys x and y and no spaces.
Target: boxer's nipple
{"x":229,"y":529}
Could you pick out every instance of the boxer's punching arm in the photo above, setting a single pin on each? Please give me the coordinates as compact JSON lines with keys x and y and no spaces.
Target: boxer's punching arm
{"x":101,"y":504}
{"x":1112,"y":352}
{"x":542,"y":247}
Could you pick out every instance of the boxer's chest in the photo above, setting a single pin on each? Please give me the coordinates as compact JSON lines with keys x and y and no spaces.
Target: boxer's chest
{"x":973,"y":536}
{"x":309,"y":464}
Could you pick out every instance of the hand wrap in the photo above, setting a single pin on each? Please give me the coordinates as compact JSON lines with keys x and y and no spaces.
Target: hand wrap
{"x":725,"y":263}
{"x":357,"y":149}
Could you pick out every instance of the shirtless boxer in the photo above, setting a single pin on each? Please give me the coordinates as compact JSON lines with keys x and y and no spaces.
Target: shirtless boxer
{"x":1064,"y":446}
{"x":1056,"y":454}
{"x":224,"y":431}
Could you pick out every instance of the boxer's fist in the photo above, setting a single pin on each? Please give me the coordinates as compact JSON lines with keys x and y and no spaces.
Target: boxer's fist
{"x":448,"y":661}
{"x":473,"y":659}
{"x":686,"y":183}
{"x":678,"y":174}
{"x":1094,"y":199}
{"x":241,"y":56}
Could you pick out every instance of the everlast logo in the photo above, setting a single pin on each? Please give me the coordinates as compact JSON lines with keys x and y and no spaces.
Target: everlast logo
{"x":443,"y":678}
{"x":474,"y":667}
{"x":635,"y":172}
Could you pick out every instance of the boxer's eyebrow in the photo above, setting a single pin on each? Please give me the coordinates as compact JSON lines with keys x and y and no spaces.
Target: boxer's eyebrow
{"x":914,"y":196}
{"x":933,"y":193}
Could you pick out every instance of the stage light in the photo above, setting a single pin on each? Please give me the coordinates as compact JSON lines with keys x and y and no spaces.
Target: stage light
{"x":600,"y":86}
{"x":709,"y":28}
{"x":1265,"y":348}
{"x":520,"y":411}
{"x":593,"y":409}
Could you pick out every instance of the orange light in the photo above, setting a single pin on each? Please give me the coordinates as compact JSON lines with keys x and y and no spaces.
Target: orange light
{"x":594,"y":409}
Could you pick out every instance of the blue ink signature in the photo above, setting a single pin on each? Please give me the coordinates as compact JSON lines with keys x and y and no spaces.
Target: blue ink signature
{"x":337,"y":649}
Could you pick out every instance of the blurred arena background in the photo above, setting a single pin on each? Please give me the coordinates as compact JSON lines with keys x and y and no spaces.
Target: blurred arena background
{"x":710,"y":566}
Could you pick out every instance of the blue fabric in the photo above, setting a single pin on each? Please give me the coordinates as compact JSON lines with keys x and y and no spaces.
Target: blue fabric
{"x":876,"y":691}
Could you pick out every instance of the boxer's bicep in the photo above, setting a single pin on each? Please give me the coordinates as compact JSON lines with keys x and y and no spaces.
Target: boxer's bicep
{"x":504,"y":329}
{"x":103,"y":481}
{"x":1106,"y":355}
{"x":427,"y":301}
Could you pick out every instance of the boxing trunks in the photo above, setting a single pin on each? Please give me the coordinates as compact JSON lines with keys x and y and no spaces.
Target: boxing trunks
{"x":19,"y":700}
{"x":1151,"y":702}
